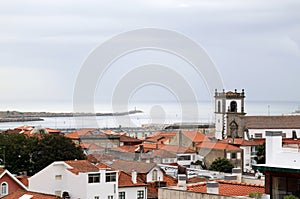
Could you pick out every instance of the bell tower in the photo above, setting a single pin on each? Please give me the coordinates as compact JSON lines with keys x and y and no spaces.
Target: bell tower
{"x":229,"y":114}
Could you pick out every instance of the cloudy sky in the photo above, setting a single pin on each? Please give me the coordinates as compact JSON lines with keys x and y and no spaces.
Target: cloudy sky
{"x":254,"y":44}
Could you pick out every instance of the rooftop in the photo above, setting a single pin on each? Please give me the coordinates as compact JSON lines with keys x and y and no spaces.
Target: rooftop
{"x":218,"y":145}
{"x":273,"y":122}
{"x":128,"y":166}
{"x":20,"y":194}
{"x":230,"y":188}
{"x":81,"y":166}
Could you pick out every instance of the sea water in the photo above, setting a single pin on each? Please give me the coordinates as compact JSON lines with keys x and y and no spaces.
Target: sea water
{"x":162,"y":112}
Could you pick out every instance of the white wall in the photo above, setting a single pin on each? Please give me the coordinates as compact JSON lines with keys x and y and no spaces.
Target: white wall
{"x":280,"y":157}
{"x":288,"y":132}
{"x":131,"y":192}
{"x":160,"y":175}
{"x":76,"y":185}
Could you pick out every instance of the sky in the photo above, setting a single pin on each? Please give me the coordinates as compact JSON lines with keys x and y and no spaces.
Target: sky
{"x":253,"y":44}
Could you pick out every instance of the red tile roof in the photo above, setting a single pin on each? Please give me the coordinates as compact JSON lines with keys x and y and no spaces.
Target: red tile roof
{"x":195,"y":136}
{"x":218,"y":145}
{"x":170,"y":180}
{"x":124,"y":180}
{"x":230,"y":188}
{"x":23,"y":180}
{"x":81,"y":132}
{"x":239,"y":142}
{"x":125,"y":138}
{"x":273,"y":122}
{"x":177,"y":149}
{"x":35,"y":195}
{"x":161,"y":137}
{"x":81,"y":166}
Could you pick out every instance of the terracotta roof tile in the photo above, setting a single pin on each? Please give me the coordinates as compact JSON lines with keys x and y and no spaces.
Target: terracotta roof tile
{"x":91,"y":146}
{"x":195,"y":136}
{"x":161,"y":137}
{"x":273,"y":122}
{"x":177,"y":149}
{"x":218,"y":145}
{"x":19,"y":193}
{"x":230,"y":188}
{"x":239,"y":142}
{"x":125,"y":148}
{"x":125,"y":138}
{"x":196,"y":180}
{"x":124,"y":180}
{"x":81,"y":166}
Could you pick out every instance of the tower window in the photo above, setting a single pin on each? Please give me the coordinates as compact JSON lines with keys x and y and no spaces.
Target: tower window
{"x":219,"y":106}
{"x":233,"y":106}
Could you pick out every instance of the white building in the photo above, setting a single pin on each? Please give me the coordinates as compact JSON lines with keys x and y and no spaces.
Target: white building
{"x":148,"y":171}
{"x":282,"y":169}
{"x":287,"y":124}
{"x":131,"y":187}
{"x":78,"y":179}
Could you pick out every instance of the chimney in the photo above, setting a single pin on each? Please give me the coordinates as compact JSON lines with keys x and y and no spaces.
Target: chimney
{"x":238,"y":173}
{"x":134,"y":176}
{"x":273,"y":145}
{"x":212,"y":187}
{"x":181,"y":181}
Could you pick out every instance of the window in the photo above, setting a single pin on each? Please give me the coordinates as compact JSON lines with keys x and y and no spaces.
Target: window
{"x":96,"y":197}
{"x":238,"y":156}
{"x":58,"y":177}
{"x":122,"y":195}
{"x":284,"y":135}
{"x":4,"y":189}
{"x":140,"y":194}
{"x":184,"y":157}
{"x":233,"y":106}
{"x":228,"y":155}
{"x":154,"y":175}
{"x":110,"y":197}
{"x":111,"y":177}
{"x":233,"y":155}
{"x":94,"y":178}
{"x":258,"y":135}
{"x":219,"y":106}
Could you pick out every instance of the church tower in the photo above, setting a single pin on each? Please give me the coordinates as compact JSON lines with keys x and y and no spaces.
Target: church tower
{"x":229,"y":114}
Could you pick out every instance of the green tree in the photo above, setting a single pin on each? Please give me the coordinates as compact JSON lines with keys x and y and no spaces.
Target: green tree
{"x":54,"y":148}
{"x":21,"y":153}
{"x":222,"y":165}
{"x":260,"y":154}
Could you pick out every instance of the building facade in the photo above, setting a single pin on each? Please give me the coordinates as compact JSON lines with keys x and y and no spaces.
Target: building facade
{"x":229,"y":114}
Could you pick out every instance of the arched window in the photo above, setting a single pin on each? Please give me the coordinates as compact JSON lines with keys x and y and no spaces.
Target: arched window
{"x":233,"y":106}
{"x":219,"y":106}
{"x":4,"y":189}
{"x":154,"y":175}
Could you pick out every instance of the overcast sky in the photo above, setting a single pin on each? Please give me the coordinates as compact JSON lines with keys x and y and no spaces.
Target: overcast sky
{"x":254,"y":44}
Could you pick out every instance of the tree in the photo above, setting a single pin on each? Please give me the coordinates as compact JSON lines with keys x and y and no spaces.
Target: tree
{"x":20,"y":153}
{"x":260,"y":154}
{"x":221,"y":165}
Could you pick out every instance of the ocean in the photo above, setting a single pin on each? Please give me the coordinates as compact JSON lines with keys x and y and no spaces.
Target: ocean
{"x":163,"y":112}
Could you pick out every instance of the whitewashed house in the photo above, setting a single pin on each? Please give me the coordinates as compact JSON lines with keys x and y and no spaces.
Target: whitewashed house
{"x":76,"y":179}
{"x":130,"y":186}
